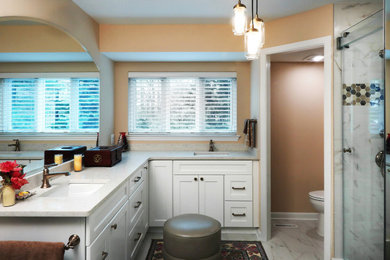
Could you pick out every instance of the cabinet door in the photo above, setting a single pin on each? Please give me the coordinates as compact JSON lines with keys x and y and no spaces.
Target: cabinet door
{"x":185,"y":194}
{"x":99,"y":249}
{"x":160,"y":196}
{"x":211,"y":196}
{"x":118,"y":235}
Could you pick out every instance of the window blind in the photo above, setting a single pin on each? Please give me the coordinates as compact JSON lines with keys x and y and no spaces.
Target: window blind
{"x":49,"y":105}
{"x":182,"y":105}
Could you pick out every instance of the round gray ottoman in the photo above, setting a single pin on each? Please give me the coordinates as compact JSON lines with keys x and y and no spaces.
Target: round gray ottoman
{"x":190,"y":237}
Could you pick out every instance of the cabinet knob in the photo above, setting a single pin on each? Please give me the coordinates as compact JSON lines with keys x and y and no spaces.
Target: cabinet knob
{"x":201,"y":179}
{"x":137,"y":179}
{"x":145,"y":167}
{"x":114,"y":226}
{"x":138,"y":237}
{"x":104,"y":255}
{"x":195,"y":179}
{"x":138,"y":204}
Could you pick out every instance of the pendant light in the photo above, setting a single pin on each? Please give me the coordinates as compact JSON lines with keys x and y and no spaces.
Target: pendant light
{"x":259,"y":25}
{"x":252,"y":41}
{"x":239,"y":20}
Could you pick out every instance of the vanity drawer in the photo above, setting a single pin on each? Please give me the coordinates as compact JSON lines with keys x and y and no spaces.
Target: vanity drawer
{"x":137,"y":178}
{"x":136,"y":235}
{"x":238,"y":187}
{"x":212,"y":167}
{"x":238,"y":214}
{"x":104,"y":213}
{"x":136,"y":205}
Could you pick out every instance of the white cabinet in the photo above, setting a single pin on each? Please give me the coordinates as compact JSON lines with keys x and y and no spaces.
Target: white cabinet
{"x":198,"y":194}
{"x":238,"y":214}
{"x":160,"y":192}
{"x":109,"y":244}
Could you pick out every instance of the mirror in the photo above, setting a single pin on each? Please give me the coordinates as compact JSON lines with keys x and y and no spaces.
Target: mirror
{"x":35,"y":48}
{"x":387,"y":120}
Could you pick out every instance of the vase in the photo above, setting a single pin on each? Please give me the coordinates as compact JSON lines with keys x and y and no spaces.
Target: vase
{"x":8,"y":196}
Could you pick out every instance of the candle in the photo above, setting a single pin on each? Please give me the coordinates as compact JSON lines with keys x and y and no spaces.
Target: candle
{"x":78,"y":162}
{"x":58,"y":158}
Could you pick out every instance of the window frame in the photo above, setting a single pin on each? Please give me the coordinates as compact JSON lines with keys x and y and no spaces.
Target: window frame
{"x":182,"y":136}
{"x":32,"y":136}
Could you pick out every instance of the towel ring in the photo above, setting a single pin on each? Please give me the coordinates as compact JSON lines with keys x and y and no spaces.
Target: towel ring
{"x":74,"y":240}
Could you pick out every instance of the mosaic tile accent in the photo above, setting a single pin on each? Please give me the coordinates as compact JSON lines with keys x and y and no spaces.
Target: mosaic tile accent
{"x":362,"y":94}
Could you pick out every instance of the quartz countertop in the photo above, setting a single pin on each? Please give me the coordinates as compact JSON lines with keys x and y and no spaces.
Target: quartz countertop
{"x":41,"y":206}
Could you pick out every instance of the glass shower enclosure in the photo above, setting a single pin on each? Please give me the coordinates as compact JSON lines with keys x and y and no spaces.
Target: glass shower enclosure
{"x":364,"y":132}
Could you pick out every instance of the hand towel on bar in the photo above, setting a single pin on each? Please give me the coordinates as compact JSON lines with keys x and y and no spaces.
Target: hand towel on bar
{"x":31,"y":250}
{"x":250,"y":132}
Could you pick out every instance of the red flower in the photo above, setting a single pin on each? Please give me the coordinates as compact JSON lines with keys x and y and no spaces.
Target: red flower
{"x":8,"y":166}
{"x":18,"y":182}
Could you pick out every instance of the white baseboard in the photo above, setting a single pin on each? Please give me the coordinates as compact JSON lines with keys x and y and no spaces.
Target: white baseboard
{"x":295,"y":215}
{"x":337,"y":258}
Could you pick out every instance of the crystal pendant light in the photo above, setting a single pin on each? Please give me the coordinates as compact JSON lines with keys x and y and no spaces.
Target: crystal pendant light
{"x":259,"y":25}
{"x":252,"y":41}
{"x":239,"y":20}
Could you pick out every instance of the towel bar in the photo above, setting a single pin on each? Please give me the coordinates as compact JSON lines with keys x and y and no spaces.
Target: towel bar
{"x":74,"y":240}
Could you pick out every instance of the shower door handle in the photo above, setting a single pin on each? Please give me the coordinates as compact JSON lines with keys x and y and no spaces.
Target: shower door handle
{"x":380,"y":161}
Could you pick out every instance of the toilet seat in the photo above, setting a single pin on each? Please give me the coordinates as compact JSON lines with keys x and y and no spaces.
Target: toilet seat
{"x":317,"y":195}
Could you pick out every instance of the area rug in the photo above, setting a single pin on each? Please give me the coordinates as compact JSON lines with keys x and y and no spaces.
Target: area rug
{"x":230,"y":250}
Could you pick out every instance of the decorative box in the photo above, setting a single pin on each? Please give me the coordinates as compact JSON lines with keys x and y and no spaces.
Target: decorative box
{"x":67,"y":151}
{"x":103,"y":156}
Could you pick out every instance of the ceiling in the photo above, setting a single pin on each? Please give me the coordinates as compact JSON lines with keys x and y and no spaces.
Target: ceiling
{"x":188,"y":11}
{"x":298,"y":56}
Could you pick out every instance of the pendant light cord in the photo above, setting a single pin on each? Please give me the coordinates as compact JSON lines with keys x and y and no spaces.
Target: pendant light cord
{"x":257,"y":7}
{"x":253,"y":26}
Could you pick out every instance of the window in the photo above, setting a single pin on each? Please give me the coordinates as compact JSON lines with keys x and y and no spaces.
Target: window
{"x":182,"y":103}
{"x":49,"y":105}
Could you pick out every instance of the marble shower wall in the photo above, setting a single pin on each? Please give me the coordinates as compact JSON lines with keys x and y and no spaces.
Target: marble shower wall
{"x":357,"y":122}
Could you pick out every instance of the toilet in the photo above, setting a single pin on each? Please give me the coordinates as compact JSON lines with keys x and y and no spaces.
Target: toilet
{"x":317,"y":200}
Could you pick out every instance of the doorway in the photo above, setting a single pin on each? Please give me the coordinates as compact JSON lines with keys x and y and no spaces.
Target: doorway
{"x":265,"y":132}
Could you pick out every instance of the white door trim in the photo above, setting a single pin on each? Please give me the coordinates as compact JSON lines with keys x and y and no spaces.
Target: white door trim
{"x":265,"y":135}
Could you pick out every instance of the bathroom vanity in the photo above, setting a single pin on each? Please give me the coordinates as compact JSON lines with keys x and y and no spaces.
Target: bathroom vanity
{"x":111,"y":209}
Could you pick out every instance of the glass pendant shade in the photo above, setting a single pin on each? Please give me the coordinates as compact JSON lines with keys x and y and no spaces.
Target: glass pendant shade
{"x":252,"y":43}
{"x":259,"y":25}
{"x":239,"y":20}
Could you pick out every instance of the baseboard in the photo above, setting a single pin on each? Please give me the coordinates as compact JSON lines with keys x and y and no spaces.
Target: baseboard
{"x":337,"y":258}
{"x":295,"y":215}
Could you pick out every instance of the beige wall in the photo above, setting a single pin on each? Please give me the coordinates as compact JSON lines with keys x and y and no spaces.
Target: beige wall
{"x":296,"y":135}
{"x":36,"y":38}
{"x":37,"y":67}
{"x":300,"y":27}
{"x":169,"y":38}
{"x":121,"y":86}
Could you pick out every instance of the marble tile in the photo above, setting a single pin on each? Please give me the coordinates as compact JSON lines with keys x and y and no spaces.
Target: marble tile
{"x":301,"y":243}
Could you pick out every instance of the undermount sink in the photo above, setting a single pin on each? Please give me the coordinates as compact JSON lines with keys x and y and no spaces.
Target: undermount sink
{"x":74,"y":189}
{"x":211,"y":153}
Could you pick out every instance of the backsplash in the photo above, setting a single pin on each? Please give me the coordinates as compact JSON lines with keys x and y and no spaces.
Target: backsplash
{"x":40,"y":146}
{"x":236,"y":147}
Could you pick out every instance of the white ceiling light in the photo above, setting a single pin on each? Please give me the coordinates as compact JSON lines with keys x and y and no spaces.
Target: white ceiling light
{"x":314,"y":58}
{"x":239,"y":20}
{"x":259,"y":25}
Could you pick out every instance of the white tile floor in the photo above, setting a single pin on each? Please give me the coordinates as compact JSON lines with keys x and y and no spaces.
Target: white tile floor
{"x":300,"y":243}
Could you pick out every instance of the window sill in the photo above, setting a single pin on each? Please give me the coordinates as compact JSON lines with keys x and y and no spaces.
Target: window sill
{"x":47,"y":137}
{"x":151,"y":137}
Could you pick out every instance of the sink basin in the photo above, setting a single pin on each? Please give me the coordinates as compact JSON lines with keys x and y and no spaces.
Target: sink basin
{"x":73,"y":189}
{"x":211,"y":153}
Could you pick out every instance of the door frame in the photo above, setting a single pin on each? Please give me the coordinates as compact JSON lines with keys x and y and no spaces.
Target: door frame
{"x":265,"y":135}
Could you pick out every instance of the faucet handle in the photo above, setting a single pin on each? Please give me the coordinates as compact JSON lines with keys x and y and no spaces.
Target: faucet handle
{"x":46,"y":166}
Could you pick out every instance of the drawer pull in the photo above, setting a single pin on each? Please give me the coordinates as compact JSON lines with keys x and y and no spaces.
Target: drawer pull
{"x":241,"y":188}
{"x":137,"y":179}
{"x":114,"y":226}
{"x":139,"y":237}
{"x":104,"y":255}
{"x":138,"y":204}
{"x":239,"y":215}
{"x":145,"y":167}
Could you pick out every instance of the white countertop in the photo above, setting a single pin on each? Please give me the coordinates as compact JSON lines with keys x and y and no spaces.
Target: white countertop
{"x":39,"y":206}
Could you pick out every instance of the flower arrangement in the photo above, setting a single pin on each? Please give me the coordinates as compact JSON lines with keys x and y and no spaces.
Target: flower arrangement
{"x":12,"y":174}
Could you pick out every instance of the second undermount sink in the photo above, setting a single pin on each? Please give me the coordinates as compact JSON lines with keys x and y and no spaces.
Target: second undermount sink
{"x":211,"y":153}
{"x":74,"y":189}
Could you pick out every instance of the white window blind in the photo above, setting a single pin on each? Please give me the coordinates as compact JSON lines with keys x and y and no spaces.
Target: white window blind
{"x":182,"y":105}
{"x":49,"y":105}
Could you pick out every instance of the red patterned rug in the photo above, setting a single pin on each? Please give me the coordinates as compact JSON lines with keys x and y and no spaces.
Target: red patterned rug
{"x":230,"y":250}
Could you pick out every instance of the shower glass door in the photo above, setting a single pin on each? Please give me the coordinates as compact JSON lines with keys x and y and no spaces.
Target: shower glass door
{"x":363,"y":139}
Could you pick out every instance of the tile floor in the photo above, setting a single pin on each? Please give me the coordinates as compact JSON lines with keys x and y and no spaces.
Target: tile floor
{"x":299,"y":243}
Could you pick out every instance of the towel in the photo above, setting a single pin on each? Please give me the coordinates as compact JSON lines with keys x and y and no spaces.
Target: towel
{"x":250,"y":132}
{"x":26,"y":250}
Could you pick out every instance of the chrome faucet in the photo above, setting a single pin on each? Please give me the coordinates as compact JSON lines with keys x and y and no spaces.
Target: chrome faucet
{"x":211,"y":146}
{"x":46,"y":175}
{"x":16,"y":144}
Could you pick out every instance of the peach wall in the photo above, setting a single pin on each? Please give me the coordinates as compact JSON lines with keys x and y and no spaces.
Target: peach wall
{"x":300,"y":27}
{"x":121,"y":85}
{"x":169,"y":38}
{"x":37,"y":67}
{"x":296,"y":135}
{"x":36,"y":38}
